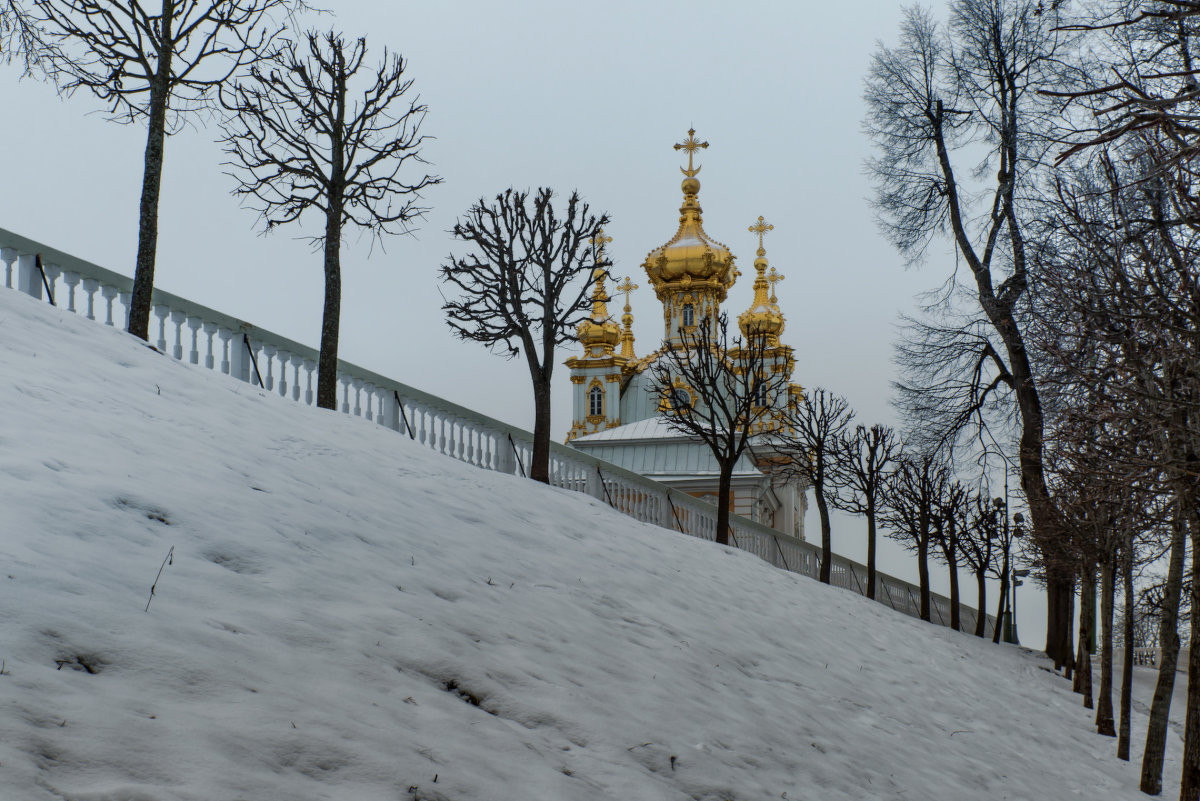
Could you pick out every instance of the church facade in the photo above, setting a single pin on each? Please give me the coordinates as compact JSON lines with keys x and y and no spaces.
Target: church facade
{"x":618,"y":406}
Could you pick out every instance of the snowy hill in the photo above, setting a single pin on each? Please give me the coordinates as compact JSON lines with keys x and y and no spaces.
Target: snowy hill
{"x":349,"y":616}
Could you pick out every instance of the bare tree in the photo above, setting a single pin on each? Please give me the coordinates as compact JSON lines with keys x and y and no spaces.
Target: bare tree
{"x":913,"y":498}
{"x":810,"y":437}
{"x":301,"y":134}
{"x":938,"y":98}
{"x":158,"y":67}
{"x":979,"y":543}
{"x":20,"y":37}
{"x":525,"y":288}
{"x":738,"y":384}
{"x":949,"y":522}
{"x":865,"y":457}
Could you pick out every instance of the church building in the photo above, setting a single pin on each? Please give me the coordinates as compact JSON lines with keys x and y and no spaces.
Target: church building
{"x":617,"y":403}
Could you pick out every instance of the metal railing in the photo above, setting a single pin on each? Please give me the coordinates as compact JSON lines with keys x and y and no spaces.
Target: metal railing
{"x":191,"y":332}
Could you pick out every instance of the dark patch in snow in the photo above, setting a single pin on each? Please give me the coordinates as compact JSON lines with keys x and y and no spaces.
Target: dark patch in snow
{"x":452,"y":686}
{"x":150,"y":512}
{"x":89,"y":663}
{"x":238,"y":563}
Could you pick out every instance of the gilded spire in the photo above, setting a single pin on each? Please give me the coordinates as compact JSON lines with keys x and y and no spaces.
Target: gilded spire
{"x":599,"y":334}
{"x":691,"y":146}
{"x":627,"y":319}
{"x":763,"y":316}
{"x":599,"y":294}
{"x":761,"y":228}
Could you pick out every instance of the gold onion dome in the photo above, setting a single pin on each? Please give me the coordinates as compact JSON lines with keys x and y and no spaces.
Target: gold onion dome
{"x":599,"y":330}
{"x":691,"y":256}
{"x":763,"y":317}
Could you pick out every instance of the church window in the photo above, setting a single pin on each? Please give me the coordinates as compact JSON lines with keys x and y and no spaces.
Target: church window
{"x":689,"y":315}
{"x":595,"y":401}
{"x":680,"y":399}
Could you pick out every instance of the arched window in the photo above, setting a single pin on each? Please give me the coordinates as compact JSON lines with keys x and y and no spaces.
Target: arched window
{"x":595,"y":402}
{"x":689,"y":315}
{"x":680,"y":399}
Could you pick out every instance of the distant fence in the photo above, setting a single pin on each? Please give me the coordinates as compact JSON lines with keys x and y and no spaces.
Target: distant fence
{"x":202,"y":336}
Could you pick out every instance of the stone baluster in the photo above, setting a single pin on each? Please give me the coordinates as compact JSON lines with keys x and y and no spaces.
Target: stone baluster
{"x":90,"y":285}
{"x":255,"y":363}
{"x":125,"y":299}
{"x":419,"y":411}
{"x":309,"y":366}
{"x":178,"y":318}
{"x":345,"y":393}
{"x":357,"y":385}
{"x":29,"y":277}
{"x":471,"y":436}
{"x":71,"y":280}
{"x":209,"y":330}
{"x":269,"y":352}
{"x":109,"y":294}
{"x":225,"y":335}
{"x":161,"y":313}
{"x":284,"y":358}
{"x":451,"y":447}
{"x":8,"y":256}
{"x":297,"y":363}
{"x":194,"y":323}
{"x":53,"y":271}
{"x":370,"y":389}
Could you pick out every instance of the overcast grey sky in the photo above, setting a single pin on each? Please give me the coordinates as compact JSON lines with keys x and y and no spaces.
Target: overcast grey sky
{"x":570,"y":95}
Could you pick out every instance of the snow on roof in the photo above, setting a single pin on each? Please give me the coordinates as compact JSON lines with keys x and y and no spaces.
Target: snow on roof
{"x":653,"y":428}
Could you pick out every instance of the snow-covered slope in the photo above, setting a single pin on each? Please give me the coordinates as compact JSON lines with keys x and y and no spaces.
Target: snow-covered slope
{"x":349,"y":616}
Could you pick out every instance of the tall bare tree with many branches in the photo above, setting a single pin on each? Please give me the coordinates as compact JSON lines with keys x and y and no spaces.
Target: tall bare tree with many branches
{"x":940,"y":97}
{"x":159,"y":66}
{"x":737,"y":385}
{"x":524,"y":287}
{"x":304,"y":132}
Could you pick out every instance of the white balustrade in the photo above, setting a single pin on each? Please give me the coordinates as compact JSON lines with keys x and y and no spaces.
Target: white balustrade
{"x":436,"y":424}
{"x":178,"y":318}
{"x":193,"y":324}
{"x":71,"y":279}
{"x":109,"y":293}
{"x":209,"y":330}
{"x":8,"y":256}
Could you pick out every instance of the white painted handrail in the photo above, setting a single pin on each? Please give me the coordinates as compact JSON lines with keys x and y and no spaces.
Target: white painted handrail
{"x":202,"y":336}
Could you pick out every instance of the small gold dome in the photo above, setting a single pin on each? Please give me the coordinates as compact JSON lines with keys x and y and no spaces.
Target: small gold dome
{"x":691,"y":256}
{"x":763,"y":318}
{"x":602,"y":333}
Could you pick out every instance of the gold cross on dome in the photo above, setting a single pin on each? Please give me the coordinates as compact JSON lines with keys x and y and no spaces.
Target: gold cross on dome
{"x":691,"y":146}
{"x":600,"y":240}
{"x":626,"y":287}
{"x":773,"y":278}
{"x":761,"y":228}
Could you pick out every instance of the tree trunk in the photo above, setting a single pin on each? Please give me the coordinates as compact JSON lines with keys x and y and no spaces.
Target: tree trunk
{"x":1168,"y":641}
{"x":539,"y":463}
{"x":871,"y":550}
{"x":723,"y":485}
{"x":1123,"y":730}
{"x":331,"y":320}
{"x":1189,"y":783}
{"x":1087,"y":618}
{"x":140,"y":299}
{"x":981,"y":605}
{"x":923,"y":571}
{"x":1060,"y":597}
{"x":955,"y":616}
{"x":1003,"y":600}
{"x":1104,"y":709}
{"x":826,"y":533}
